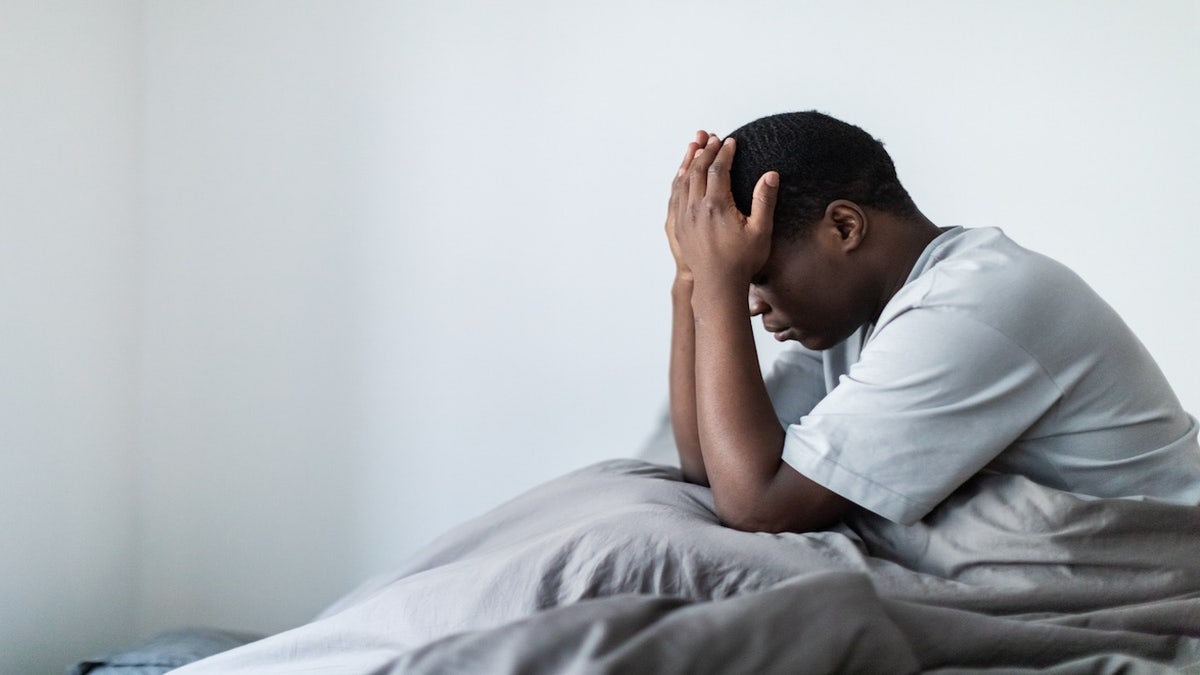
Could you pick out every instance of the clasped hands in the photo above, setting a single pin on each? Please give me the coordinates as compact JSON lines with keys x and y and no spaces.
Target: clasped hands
{"x":712,"y":242}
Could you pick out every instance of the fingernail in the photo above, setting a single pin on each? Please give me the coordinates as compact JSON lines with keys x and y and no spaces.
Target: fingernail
{"x":772,"y":179}
{"x":699,"y":151}
{"x":711,"y":139}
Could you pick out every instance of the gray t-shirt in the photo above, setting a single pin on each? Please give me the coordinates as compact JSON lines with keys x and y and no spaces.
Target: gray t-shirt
{"x":991,"y":357}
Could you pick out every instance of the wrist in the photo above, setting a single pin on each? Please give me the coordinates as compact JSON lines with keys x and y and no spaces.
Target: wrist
{"x":683,"y":284}
{"x":718,"y":294}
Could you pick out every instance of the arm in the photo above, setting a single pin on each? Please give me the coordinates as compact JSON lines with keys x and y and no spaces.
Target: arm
{"x":683,"y":336}
{"x":740,"y":437}
{"x":683,"y":383}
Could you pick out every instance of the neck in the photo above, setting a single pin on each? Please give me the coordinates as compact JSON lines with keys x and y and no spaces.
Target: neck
{"x":909,"y":237}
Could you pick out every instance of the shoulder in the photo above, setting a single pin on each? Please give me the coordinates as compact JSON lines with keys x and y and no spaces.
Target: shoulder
{"x":984,"y":276}
{"x":982,"y":295}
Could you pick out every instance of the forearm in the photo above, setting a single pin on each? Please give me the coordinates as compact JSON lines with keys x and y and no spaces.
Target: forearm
{"x":683,"y":383}
{"x":741,"y":437}
{"x":717,"y":388}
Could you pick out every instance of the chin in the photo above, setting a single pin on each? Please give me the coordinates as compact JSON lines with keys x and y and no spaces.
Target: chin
{"x":816,"y":343}
{"x":820,"y":343}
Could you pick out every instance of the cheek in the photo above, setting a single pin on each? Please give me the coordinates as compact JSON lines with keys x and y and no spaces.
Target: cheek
{"x":797,"y":296}
{"x":817,"y":308}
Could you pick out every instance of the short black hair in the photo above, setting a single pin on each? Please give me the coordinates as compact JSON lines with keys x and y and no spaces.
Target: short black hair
{"x":819,"y":159}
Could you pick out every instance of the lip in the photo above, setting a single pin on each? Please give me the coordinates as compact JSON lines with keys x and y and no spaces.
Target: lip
{"x":781,"y":333}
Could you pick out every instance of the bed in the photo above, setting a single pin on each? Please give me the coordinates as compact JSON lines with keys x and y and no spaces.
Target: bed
{"x":621,"y":567}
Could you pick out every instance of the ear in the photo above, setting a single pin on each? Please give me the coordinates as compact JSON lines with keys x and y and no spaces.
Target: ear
{"x":850,"y":222}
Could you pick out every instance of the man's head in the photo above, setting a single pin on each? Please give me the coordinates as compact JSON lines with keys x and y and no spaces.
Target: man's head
{"x":846,"y":233}
{"x":819,"y":159}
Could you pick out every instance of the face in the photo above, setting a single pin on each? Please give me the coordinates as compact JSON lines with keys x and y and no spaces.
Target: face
{"x":809,"y":291}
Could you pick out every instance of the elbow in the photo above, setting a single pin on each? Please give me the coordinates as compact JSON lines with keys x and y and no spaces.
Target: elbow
{"x":785,"y":501}
{"x":778,"y":517}
{"x":747,"y":518}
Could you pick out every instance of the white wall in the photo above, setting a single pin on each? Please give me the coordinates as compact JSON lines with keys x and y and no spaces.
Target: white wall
{"x":255,"y":185}
{"x":400,"y":261}
{"x":69,"y":107}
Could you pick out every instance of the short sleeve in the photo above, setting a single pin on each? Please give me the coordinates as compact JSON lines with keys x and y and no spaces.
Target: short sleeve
{"x":795,"y":383}
{"x":935,"y":396}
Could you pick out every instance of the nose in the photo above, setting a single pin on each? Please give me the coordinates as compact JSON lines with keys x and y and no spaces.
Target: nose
{"x":757,"y":305}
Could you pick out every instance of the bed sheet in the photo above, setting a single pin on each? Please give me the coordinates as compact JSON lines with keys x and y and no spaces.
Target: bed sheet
{"x":621,"y":567}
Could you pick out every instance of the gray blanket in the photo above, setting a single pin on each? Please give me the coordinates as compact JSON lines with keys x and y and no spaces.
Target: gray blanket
{"x":622,"y":568}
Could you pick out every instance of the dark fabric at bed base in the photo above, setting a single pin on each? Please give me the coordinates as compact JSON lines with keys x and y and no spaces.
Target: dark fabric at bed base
{"x":163,"y":652}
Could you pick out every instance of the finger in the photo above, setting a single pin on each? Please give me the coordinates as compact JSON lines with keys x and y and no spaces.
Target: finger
{"x":718,"y":171}
{"x":698,"y":171}
{"x":687,"y":157}
{"x":679,"y":189}
{"x":701,"y":137}
{"x":762,"y":208}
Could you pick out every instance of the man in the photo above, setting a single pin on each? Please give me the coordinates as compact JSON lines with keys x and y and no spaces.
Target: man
{"x":945,"y":351}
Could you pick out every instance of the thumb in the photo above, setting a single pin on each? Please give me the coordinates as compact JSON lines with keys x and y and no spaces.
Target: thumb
{"x":762,"y":208}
